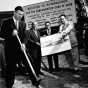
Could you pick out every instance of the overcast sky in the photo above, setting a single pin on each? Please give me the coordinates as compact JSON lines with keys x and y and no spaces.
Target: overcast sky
{"x":8,"y":5}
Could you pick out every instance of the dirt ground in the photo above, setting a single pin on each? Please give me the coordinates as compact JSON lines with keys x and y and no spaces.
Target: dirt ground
{"x":61,"y":79}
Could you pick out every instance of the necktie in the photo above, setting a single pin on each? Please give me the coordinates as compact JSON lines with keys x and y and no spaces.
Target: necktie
{"x":36,"y":33}
{"x":17,"y":25}
{"x":49,"y":31}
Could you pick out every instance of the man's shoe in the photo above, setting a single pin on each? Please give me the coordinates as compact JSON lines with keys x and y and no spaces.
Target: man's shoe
{"x":57,"y":69}
{"x":50,"y":70}
{"x":41,"y":73}
{"x":36,"y":83}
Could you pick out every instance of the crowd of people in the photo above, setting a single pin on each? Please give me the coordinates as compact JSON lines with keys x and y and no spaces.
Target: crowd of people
{"x":30,"y":42}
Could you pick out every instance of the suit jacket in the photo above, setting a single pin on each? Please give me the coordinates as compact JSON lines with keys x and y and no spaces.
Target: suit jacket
{"x":7,"y":27}
{"x":44,"y":32}
{"x":32,"y":37}
{"x":31,"y":40}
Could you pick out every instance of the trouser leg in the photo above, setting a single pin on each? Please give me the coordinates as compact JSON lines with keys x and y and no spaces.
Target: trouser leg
{"x":75,"y":55}
{"x":10,"y":73}
{"x":56,"y":61}
{"x":50,"y":62}
{"x":69,"y":59}
{"x":31,"y":75}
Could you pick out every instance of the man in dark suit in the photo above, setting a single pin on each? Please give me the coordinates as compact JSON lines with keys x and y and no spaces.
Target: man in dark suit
{"x":33,"y":46}
{"x":13,"y":51}
{"x":48,"y":31}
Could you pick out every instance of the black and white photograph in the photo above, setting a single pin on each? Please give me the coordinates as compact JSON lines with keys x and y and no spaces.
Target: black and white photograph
{"x":43,"y":44}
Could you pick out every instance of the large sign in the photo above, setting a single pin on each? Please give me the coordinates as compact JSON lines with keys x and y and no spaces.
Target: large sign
{"x":49,"y":11}
{"x":54,"y":44}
